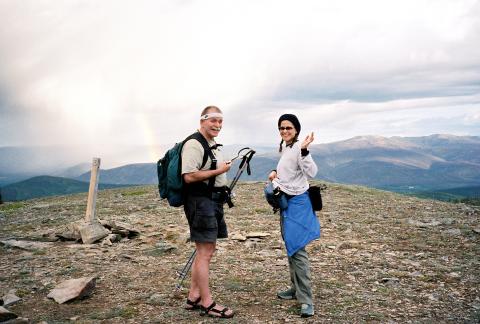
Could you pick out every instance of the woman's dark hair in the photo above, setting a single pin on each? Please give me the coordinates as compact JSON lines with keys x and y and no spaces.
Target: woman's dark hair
{"x":295,"y":139}
{"x":296,"y":124}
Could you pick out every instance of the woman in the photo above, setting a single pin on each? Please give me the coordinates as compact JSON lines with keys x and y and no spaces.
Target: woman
{"x":299,"y":224}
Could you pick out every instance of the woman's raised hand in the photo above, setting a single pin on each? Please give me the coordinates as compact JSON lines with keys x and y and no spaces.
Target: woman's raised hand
{"x":309,"y":139}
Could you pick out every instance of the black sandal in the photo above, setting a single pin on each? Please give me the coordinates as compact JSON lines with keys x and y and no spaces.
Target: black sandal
{"x":194,"y":304}
{"x":206,"y":311}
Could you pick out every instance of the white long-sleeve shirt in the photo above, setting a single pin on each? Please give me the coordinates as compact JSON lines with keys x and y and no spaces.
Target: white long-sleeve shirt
{"x":294,"y":170}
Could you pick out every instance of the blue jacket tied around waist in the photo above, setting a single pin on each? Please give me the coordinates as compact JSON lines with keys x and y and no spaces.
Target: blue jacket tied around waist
{"x":300,"y":224}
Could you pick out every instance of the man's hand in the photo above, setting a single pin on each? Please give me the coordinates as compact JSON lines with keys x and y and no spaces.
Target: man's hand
{"x":225,"y":166}
{"x":272,"y":175}
{"x":205,"y":174}
{"x":307,"y":141}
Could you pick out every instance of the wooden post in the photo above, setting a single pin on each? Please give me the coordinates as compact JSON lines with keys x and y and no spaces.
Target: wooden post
{"x":92,"y":230}
{"x":92,"y":192}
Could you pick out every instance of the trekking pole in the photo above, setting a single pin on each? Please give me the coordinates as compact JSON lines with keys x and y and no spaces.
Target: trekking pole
{"x":183,"y":274}
{"x":245,"y":164}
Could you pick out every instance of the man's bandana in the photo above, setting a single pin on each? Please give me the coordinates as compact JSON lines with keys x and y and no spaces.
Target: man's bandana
{"x":211,"y":115}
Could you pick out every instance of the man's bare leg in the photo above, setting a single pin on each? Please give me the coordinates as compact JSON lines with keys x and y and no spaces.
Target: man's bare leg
{"x":200,"y":275}
{"x":194,"y":292}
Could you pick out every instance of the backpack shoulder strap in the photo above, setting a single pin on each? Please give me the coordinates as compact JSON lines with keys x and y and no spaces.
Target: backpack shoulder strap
{"x":207,"y":152}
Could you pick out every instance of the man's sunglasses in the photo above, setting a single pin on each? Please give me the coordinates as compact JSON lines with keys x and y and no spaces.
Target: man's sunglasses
{"x":285,"y":128}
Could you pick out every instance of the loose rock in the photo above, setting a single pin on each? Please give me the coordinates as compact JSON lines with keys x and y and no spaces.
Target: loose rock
{"x":257,"y":235}
{"x":10,"y":298}
{"x":26,"y":245}
{"x":72,"y":289}
{"x":6,"y":315}
{"x":238,"y":237}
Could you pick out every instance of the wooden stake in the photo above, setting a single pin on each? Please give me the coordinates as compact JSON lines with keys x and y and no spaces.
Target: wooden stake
{"x":92,"y":192}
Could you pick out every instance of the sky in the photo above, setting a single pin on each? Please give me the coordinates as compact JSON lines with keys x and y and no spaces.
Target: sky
{"x":107,"y":74}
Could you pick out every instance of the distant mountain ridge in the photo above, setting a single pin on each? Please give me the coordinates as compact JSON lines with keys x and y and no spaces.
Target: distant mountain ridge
{"x":402,"y":164}
{"x":431,"y":162}
{"x":395,"y":163}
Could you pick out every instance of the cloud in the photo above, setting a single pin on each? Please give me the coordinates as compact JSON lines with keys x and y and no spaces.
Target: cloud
{"x":108,"y":73}
{"x":337,"y":120}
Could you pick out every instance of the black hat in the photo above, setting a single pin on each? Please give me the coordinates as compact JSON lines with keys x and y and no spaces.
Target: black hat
{"x":291,"y":118}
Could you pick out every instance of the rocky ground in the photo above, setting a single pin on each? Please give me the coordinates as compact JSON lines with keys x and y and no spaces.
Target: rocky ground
{"x":382,"y":257}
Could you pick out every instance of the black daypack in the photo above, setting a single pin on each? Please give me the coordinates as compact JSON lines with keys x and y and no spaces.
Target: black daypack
{"x":169,"y":170}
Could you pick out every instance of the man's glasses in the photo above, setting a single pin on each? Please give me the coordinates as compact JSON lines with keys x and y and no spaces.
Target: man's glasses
{"x":285,"y":128}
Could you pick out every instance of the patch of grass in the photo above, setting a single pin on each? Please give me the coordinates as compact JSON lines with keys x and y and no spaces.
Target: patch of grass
{"x":97,"y":316}
{"x":11,"y":206}
{"x":385,"y":291}
{"x":293,"y":309}
{"x":399,"y":274}
{"x":128,"y":312}
{"x":276,"y":302}
{"x":236,"y":284}
{"x":263,"y":210}
{"x":123,"y":312}
{"x":334,"y":310}
{"x":375,"y":316}
{"x":350,"y":301}
{"x":135,"y":193}
{"x":157,"y":252}
{"x":258,"y":270}
{"x":68,"y":270}
{"x":22,"y":293}
{"x":23,"y":273}
{"x":40,"y":252}
{"x":428,"y":278}
{"x":28,"y":281}
{"x":332,"y":284}
{"x":231,"y":260}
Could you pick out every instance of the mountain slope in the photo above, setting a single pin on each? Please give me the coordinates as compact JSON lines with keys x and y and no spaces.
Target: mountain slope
{"x":449,"y":147}
{"x":42,"y":186}
{"x":139,"y":173}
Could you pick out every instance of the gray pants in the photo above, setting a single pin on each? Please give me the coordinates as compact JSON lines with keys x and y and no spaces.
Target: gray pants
{"x":300,"y":276}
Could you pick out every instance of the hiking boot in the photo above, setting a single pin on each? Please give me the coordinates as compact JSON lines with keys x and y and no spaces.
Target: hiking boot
{"x":306,"y":310}
{"x":287,"y":294}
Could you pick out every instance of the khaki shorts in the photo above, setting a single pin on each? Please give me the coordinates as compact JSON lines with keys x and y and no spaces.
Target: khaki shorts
{"x":205,"y":219}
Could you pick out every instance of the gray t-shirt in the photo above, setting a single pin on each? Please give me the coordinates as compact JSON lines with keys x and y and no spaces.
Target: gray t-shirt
{"x":192,"y":157}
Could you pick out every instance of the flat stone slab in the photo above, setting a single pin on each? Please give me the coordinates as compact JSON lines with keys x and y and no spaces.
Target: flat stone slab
{"x":20,"y":320}
{"x":71,"y":232}
{"x":10,"y":298}
{"x":73,"y":289}
{"x":26,"y":245}
{"x":93,"y":232}
{"x":6,"y":315}
{"x":257,"y":235}
{"x":424,"y":224}
{"x":120,"y":228}
{"x":238,"y":237}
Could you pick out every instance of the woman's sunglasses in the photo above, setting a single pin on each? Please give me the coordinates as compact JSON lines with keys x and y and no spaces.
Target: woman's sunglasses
{"x":285,"y":128}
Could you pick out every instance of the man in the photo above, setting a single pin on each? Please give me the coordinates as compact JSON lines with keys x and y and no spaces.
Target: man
{"x":204,"y":209}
